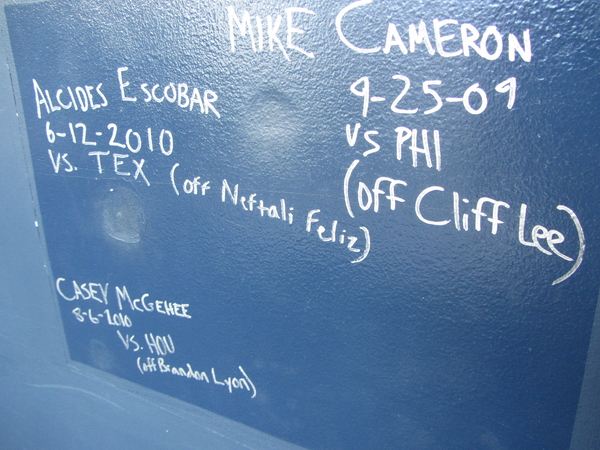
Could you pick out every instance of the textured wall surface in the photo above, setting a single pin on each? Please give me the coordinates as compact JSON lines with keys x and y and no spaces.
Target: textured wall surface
{"x":340,"y":225}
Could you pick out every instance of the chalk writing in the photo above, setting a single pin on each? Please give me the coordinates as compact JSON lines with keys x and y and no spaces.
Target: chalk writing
{"x":132,"y":140}
{"x":190,"y":185}
{"x":81,"y":143}
{"x":176,"y":93}
{"x":232,"y":384}
{"x":144,"y":305}
{"x":382,"y":195}
{"x":465,"y":36}
{"x":267,"y":31}
{"x":333,"y":235}
{"x":128,"y":340}
{"x":277,"y":211}
{"x":114,"y":319}
{"x":100,"y":293}
{"x":161,"y":345}
{"x":83,"y":291}
{"x":79,"y":98}
{"x":474,"y":99}
{"x":553,"y":237}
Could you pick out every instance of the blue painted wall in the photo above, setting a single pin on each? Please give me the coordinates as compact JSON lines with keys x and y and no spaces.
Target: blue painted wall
{"x":300,"y":221}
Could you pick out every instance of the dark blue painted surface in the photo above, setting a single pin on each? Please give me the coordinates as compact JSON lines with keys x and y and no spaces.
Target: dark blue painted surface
{"x":440,"y":338}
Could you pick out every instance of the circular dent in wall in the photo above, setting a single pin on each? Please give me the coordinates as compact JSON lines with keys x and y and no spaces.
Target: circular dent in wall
{"x":123,"y":216}
{"x":100,"y":356}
